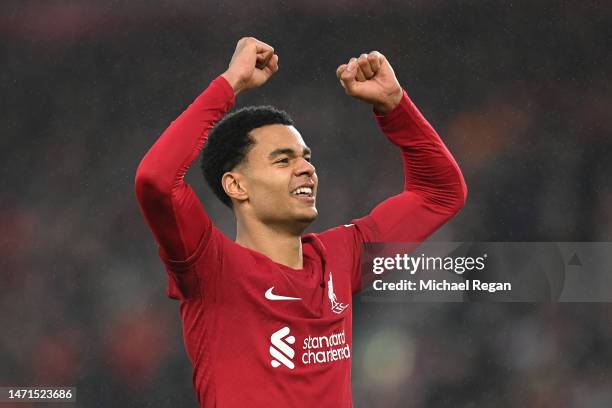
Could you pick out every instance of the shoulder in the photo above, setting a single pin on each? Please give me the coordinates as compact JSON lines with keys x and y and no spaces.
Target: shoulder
{"x":353,"y":233}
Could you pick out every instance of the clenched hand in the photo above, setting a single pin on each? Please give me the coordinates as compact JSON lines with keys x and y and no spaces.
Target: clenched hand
{"x":252,"y":64}
{"x":371,"y":79}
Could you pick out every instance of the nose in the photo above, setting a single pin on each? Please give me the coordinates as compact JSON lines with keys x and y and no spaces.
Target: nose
{"x":304,"y":167}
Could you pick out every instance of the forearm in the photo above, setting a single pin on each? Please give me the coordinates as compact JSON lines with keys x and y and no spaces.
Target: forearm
{"x":166,"y":163}
{"x":429,"y":168}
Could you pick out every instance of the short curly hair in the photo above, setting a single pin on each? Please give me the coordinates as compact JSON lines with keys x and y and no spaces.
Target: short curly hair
{"x":229,"y":142}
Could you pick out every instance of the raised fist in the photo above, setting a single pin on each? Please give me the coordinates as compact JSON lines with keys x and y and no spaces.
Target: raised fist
{"x":252,"y":64}
{"x":371,"y":79}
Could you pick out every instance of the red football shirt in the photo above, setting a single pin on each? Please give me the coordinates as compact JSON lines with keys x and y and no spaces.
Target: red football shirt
{"x":258,"y":333}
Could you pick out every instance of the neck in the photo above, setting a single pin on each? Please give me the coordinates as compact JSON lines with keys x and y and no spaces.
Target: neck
{"x":280,"y":246}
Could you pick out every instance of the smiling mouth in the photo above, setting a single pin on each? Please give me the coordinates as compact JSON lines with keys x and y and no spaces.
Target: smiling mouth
{"x":303,"y":192}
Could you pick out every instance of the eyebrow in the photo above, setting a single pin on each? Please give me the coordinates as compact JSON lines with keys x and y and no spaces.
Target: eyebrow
{"x":288,"y":151}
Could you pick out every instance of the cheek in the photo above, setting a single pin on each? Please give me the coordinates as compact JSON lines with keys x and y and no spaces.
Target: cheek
{"x":270,"y":188}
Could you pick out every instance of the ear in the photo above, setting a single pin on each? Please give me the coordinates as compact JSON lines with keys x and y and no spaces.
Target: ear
{"x":234,"y":185}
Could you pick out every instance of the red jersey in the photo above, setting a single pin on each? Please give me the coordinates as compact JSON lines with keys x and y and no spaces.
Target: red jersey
{"x":258,"y":333}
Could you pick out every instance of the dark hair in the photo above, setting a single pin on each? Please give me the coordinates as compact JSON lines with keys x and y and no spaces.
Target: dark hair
{"x":229,"y":142}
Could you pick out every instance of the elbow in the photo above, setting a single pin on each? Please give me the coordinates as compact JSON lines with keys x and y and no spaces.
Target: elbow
{"x":462,"y":195}
{"x":459,"y":195}
{"x":144,"y":188}
{"x":457,"y":192}
{"x":447,"y":200}
{"x":148,"y":186}
{"x":451,"y":198}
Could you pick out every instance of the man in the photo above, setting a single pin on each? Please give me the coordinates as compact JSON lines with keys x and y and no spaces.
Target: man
{"x":263,"y":324}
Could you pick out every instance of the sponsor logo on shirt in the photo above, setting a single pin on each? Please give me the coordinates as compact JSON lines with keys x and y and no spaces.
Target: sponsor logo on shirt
{"x":316,"y":349}
{"x":336,"y":307}
{"x":325,"y":349}
{"x":281,"y":352}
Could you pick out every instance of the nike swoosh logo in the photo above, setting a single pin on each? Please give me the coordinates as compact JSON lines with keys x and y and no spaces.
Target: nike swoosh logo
{"x":272,"y":296}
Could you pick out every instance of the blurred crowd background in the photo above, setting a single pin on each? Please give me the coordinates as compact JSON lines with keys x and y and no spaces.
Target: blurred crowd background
{"x":519,"y":91}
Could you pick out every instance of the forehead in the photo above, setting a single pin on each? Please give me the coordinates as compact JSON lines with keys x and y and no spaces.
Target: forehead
{"x":272,"y":137}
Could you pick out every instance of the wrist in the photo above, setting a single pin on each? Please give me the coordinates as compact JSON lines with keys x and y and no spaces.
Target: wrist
{"x":391,"y":102}
{"x":234,"y":82}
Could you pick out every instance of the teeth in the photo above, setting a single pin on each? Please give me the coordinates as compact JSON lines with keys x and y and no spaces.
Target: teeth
{"x":303,"y":190}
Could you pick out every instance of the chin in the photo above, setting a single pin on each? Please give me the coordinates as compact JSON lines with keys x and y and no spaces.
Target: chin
{"x":307,"y":216}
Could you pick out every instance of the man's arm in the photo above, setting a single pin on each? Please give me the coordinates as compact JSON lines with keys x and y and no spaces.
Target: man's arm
{"x":434,"y":188}
{"x":171,"y":208}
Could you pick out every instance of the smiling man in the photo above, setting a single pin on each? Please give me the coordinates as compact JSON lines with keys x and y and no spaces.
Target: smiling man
{"x":264,"y":322}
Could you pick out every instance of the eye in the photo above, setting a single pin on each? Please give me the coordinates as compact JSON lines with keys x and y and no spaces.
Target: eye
{"x":308,"y":158}
{"x":282,"y":161}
